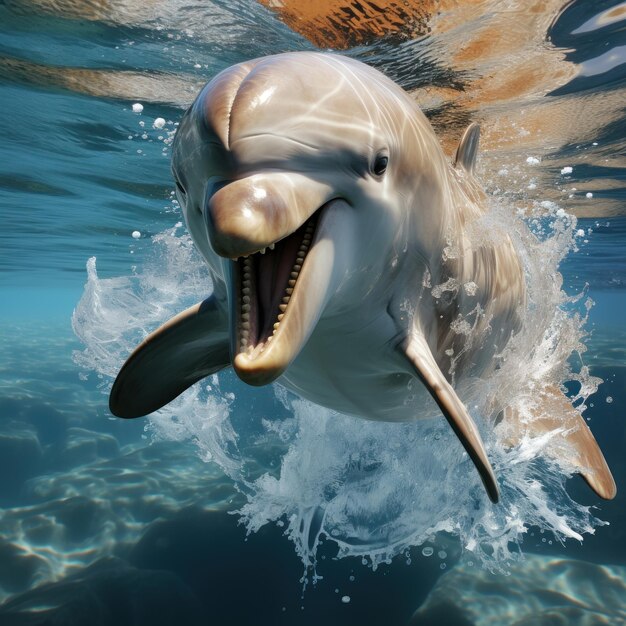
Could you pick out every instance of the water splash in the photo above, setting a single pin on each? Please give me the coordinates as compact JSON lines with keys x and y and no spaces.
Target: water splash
{"x":374,"y":489}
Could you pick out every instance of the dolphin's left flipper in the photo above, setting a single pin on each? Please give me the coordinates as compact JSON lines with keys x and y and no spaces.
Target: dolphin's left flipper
{"x":427,"y":370}
{"x":550,"y":413}
{"x":187,"y":348}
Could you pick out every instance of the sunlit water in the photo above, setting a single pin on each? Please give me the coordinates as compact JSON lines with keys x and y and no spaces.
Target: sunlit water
{"x":81,"y":172}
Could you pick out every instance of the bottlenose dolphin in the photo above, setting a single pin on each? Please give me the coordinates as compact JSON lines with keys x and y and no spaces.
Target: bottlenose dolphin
{"x":337,"y":236}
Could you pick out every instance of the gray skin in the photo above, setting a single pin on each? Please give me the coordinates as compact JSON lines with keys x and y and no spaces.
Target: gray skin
{"x":280,"y":143}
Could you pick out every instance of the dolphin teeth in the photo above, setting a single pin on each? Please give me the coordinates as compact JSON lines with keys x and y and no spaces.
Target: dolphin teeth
{"x":263,"y":251}
{"x":292,"y":283}
{"x":246,"y":299}
{"x":297,"y":267}
{"x":245,"y":325}
{"x":280,"y":316}
{"x":282,"y":307}
{"x":245,"y":308}
{"x":272,"y":246}
{"x":294,"y":274}
{"x":286,"y":299}
{"x":289,"y":291}
{"x":246,"y":290}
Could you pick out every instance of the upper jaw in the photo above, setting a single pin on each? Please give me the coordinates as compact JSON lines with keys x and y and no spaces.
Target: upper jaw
{"x":249,"y":215}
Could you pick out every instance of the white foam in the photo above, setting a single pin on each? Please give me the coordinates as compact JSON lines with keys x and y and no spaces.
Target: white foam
{"x":375,"y":489}
{"x":566,"y":170}
{"x":137,"y":107}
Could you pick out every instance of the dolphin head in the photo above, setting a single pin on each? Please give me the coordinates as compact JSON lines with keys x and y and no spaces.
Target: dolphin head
{"x":290,"y":170}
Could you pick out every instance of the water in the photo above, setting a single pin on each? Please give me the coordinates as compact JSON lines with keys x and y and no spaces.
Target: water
{"x":136,"y":518}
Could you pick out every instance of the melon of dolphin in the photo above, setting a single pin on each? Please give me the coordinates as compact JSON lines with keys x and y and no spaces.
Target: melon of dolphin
{"x":324,"y":206}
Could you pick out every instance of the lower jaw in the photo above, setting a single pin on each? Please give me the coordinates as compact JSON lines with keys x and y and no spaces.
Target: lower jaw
{"x":261,"y":355}
{"x":252,"y":373}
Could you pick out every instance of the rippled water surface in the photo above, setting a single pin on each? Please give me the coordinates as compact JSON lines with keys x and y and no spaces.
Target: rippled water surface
{"x":144,"y":522}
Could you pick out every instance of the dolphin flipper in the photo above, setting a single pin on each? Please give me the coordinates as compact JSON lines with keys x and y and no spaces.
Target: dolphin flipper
{"x":467,"y":149}
{"x":552,"y":412}
{"x":427,"y":370}
{"x":190,"y":346}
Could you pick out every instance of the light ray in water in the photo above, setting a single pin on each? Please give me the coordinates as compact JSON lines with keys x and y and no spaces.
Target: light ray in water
{"x":374,"y":489}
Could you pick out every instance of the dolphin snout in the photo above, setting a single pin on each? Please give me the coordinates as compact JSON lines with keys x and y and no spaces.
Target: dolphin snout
{"x":247,"y":215}
{"x":243,"y":218}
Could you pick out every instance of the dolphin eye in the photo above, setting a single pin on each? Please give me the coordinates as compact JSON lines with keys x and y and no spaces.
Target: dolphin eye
{"x":180,"y":188}
{"x":380,"y":164}
{"x":181,"y":194}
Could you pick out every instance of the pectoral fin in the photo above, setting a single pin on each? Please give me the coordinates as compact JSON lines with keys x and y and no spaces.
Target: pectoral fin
{"x":190,"y":346}
{"x":427,"y":370}
{"x":550,"y":411}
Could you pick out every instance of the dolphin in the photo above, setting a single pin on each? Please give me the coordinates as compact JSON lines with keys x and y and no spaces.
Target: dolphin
{"x":338,"y":237}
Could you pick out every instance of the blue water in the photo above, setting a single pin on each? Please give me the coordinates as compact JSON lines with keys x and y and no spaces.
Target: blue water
{"x":106,"y":521}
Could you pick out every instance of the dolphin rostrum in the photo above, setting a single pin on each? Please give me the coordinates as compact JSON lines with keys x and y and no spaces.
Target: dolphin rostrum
{"x":332,"y":223}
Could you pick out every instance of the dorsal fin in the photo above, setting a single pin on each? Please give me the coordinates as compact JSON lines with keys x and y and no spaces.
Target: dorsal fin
{"x":467,"y":150}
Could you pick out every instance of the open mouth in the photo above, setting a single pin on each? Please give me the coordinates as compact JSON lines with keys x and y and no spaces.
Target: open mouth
{"x":266,"y":288}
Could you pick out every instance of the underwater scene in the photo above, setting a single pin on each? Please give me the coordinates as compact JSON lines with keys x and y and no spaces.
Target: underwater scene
{"x":237,"y":503}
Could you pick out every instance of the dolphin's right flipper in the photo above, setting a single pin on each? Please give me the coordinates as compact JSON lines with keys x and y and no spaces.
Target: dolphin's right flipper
{"x":425,"y":367}
{"x":187,"y":348}
{"x":571,"y":441}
